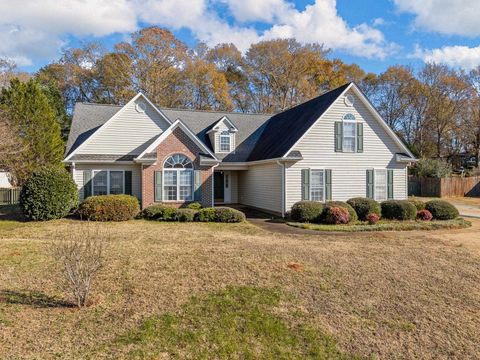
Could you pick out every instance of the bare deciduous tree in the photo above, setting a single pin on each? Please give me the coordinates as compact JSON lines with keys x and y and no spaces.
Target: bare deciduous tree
{"x":80,"y":256}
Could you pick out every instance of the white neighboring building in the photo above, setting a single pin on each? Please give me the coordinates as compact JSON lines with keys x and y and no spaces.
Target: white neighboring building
{"x":4,"y":180}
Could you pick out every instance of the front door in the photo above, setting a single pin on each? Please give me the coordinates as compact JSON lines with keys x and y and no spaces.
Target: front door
{"x":218,"y":187}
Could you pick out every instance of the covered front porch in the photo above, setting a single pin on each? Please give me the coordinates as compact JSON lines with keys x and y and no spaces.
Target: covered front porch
{"x":226,"y":186}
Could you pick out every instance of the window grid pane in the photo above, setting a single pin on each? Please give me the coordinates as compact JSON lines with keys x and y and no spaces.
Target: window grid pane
{"x":380,"y":184}
{"x":116,"y":182}
{"x":317,"y":185}
{"x":349,"y":136}
{"x":224,"y":142}
{"x":100,"y":183}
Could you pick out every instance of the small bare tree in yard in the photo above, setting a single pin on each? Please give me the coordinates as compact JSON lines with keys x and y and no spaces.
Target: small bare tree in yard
{"x":81,"y":255}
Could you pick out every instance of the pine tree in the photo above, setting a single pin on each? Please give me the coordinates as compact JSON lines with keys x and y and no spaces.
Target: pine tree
{"x":32,"y":114}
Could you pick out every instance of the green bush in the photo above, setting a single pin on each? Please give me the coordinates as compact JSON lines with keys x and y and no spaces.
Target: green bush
{"x":419,"y":204}
{"x":336,"y":215}
{"x":365,"y":206}
{"x":220,"y":214}
{"x":398,"y":210}
{"x":205,"y":215}
{"x":434,"y":168}
{"x":441,"y":210}
{"x":159,"y":212}
{"x":342,"y":204}
{"x":185,"y":215}
{"x":48,"y":194}
{"x":194,"y":205}
{"x":228,"y":215}
{"x":306,"y":211}
{"x":109,"y":208}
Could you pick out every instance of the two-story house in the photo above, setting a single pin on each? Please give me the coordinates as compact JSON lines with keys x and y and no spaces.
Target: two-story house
{"x":333,"y":147}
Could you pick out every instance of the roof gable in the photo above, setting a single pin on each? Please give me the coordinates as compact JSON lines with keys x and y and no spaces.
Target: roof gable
{"x":286,"y":128}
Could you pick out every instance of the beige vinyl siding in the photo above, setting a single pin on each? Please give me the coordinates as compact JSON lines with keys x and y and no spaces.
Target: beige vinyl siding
{"x":234,"y":186}
{"x":260,"y":186}
{"x":129,"y":133}
{"x":222,"y":127}
{"x":134,"y":168}
{"x":348,"y":169}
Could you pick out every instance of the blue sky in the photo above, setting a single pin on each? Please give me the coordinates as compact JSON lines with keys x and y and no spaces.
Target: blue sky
{"x":372,"y":33}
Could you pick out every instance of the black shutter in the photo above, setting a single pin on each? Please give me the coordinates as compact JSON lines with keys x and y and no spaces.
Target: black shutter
{"x":158,"y":186}
{"x":305,"y":184}
{"x":390,"y":183}
{"x":338,"y":136}
{"x":328,"y":184}
{"x":128,"y":182}
{"x":359,"y":137}
{"x":87,"y":183}
{"x":370,"y":184}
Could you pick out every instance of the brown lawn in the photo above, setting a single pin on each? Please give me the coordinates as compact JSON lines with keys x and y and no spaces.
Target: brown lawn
{"x":390,"y":295}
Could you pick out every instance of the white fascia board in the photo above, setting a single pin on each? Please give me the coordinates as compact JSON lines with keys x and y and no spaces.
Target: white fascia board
{"x":382,"y":122}
{"x":166,"y":133}
{"x":308,"y":130}
{"x":105,"y":124}
{"x":233,"y":128}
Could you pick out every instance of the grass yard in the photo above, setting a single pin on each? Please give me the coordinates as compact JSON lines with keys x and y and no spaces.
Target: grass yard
{"x":212,"y":291}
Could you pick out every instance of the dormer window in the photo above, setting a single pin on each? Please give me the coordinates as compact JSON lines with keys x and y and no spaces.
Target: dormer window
{"x":225,"y":141}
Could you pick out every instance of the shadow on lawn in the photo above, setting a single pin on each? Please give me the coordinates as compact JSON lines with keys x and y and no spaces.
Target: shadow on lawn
{"x":33,"y":298}
{"x":11,"y":213}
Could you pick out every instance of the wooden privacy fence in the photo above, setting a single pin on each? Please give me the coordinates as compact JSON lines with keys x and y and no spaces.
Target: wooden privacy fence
{"x":446,"y":187}
{"x":9,"y":196}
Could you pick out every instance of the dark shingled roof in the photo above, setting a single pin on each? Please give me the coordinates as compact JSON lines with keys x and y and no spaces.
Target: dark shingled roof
{"x":284,"y":129}
{"x":259,"y":136}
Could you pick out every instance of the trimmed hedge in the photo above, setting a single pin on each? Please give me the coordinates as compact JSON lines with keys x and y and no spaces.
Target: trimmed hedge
{"x":342,"y":204}
{"x":441,"y":210}
{"x":159,"y":212}
{"x":336,"y":215}
{"x":419,"y":204}
{"x":109,"y":208}
{"x":194,"y":205}
{"x":185,"y":215}
{"x":220,"y":214}
{"x":365,"y":206}
{"x":50,"y":193}
{"x":398,"y":210}
{"x":307,"y":211}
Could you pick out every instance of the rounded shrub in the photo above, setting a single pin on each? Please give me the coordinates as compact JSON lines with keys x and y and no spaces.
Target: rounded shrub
{"x":398,"y":210}
{"x":424,"y":215}
{"x":205,"y":215}
{"x":336,"y":215}
{"x":109,"y":208}
{"x":194,"y":205}
{"x":159,"y":212}
{"x":306,"y":211}
{"x":441,"y":210}
{"x":50,"y":193}
{"x":365,"y":206}
{"x":342,"y":204}
{"x":419,"y":204}
{"x":185,"y":215}
{"x":373,"y":218}
{"x":228,"y":215}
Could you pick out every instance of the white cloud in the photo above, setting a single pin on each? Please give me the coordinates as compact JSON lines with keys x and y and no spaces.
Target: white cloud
{"x":378,"y":22}
{"x":37,"y":29}
{"x":457,"y":56}
{"x":458,"y":17}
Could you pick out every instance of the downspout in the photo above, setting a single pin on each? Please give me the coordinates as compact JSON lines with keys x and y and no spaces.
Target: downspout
{"x":213,"y":179}
{"x":282,"y":166}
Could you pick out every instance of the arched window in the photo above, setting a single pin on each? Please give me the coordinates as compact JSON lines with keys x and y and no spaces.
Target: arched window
{"x":178,"y":178}
{"x":349,"y":133}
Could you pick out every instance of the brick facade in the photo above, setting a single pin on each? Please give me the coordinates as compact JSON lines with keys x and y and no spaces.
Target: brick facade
{"x":176,"y":143}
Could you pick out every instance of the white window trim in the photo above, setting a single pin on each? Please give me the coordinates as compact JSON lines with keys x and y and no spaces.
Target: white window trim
{"x":164,"y":197}
{"x":94,"y":171}
{"x":310,"y":184}
{"x":375,"y":184}
{"x":348,"y":121}
{"x":230,"y":134}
